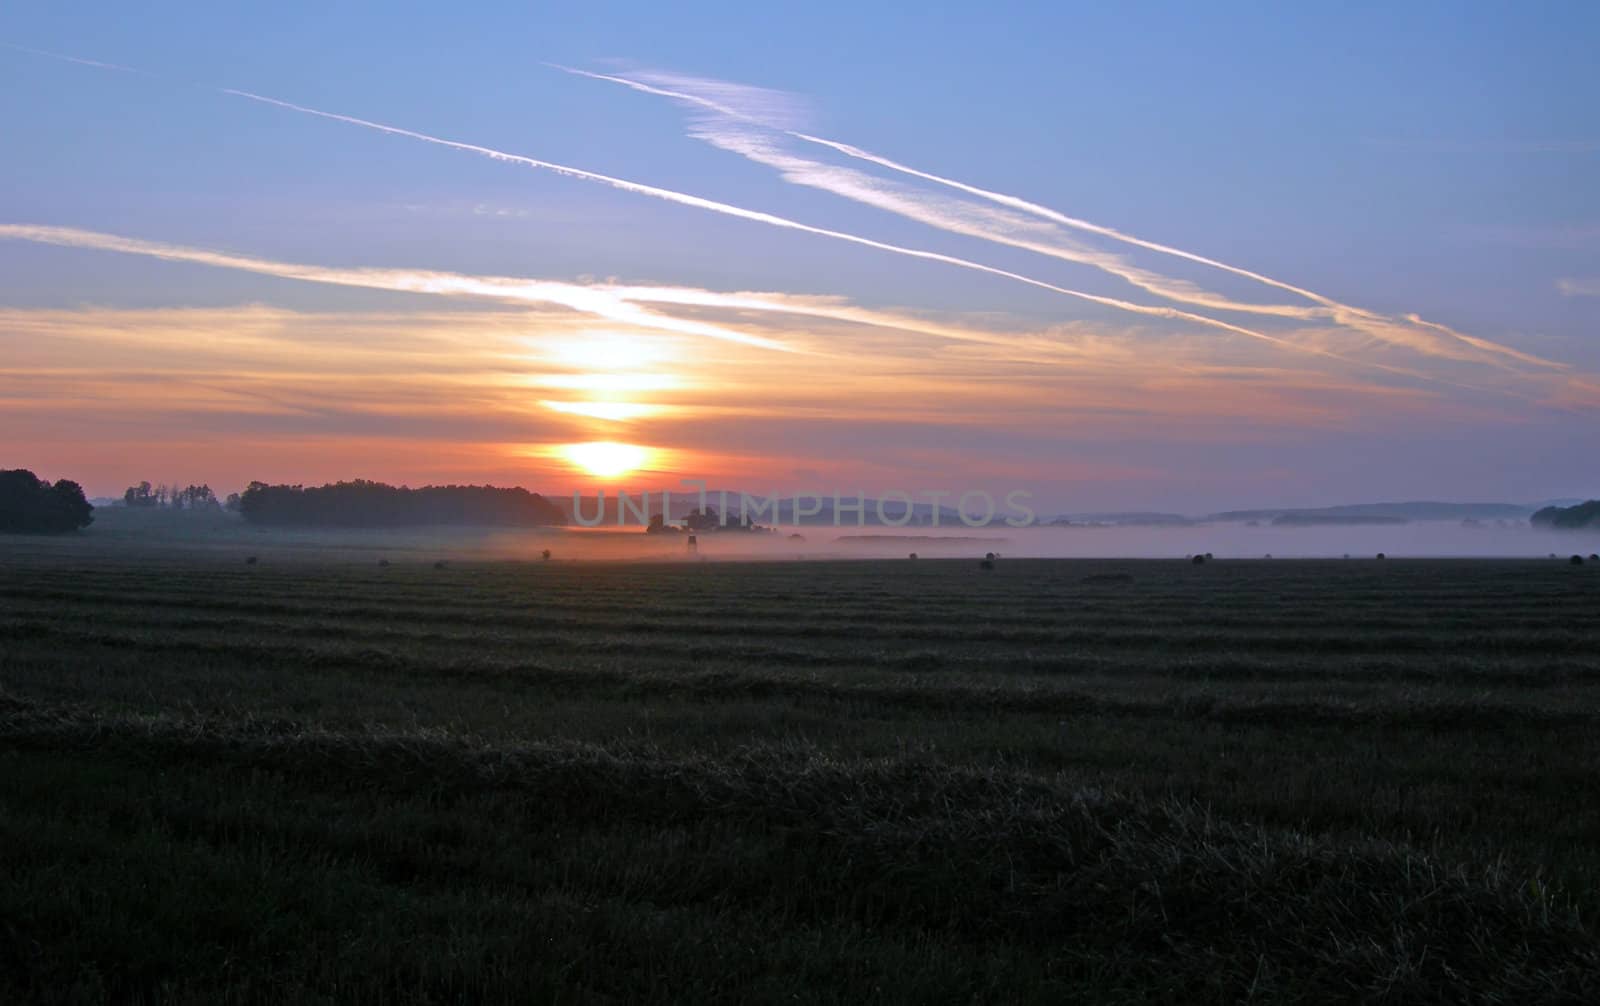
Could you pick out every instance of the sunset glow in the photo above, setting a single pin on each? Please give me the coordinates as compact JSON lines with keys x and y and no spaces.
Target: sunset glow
{"x":605,"y":459}
{"x":905,"y":297}
{"x":827,"y":502}
{"x":614,"y":411}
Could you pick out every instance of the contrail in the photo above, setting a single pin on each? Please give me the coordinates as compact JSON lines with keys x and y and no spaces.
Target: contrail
{"x":613,"y":302}
{"x":774,"y":220}
{"x":715,"y":206}
{"x":76,"y":59}
{"x":594,"y":300}
{"x":1345,"y":314}
{"x":1000,"y":198}
{"x":972,"y":220}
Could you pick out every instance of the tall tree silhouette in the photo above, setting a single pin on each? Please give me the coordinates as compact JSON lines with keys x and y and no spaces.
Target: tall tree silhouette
{"x":29,"y":503}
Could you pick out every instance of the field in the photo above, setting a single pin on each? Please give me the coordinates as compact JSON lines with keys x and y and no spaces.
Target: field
{"x":314,"y":778}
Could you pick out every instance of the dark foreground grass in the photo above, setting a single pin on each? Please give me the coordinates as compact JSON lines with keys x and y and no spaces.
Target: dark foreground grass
{"x":559,"y":782}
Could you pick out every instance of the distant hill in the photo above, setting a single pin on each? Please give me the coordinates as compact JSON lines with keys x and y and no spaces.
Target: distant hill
{"x":1139,"y":518}
{"x":1333,"y":520}
{"x":924,"y":514}
{"x":1582,"y":516}
{"x":1414,"y":511}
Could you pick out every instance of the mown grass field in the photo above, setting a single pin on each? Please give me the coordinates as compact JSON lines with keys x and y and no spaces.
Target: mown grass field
{"x":880,"y":781}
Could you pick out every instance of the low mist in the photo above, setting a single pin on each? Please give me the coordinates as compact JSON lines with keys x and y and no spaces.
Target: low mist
{"x":229,"y":537}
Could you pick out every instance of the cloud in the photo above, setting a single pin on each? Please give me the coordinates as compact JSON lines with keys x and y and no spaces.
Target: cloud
{"x":732,"y":315}
{"x":752,"y":103}
{"x":727,"y":119}
{"x":1579,"y":287}
{"x":774,"y":220}
{"x":612,"y":302}
{"x":595,"y":300}
{"x":97,"y":64}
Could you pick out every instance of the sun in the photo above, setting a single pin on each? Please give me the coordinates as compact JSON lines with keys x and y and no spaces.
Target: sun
{"x":605,"y":459}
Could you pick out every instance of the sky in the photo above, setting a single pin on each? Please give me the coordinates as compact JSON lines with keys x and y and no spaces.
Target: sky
{"x":1142,"y":256}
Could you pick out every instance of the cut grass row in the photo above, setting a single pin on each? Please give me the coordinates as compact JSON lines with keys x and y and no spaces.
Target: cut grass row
{"x":352,"y":862}
{"x":597,"y":782}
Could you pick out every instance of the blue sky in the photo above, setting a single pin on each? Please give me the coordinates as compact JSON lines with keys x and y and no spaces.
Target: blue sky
{"x":1436,"y":158}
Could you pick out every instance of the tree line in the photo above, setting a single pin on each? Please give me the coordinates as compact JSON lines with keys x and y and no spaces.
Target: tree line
{"x":171,"y":497}
{"x":1570,"y":517}
{"x":30,"y":504}
{"x":375,"y":504}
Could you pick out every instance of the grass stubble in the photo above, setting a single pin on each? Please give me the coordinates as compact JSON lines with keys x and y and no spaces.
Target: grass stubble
{"x":317,"y":780}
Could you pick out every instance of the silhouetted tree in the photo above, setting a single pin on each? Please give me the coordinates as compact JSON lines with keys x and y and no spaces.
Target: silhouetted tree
{"x":29,"y":503}
{"x":188,"y":498}
{"x":374,"y":504}
{"x":194,"y":498}
{"x":658,"y":525}
{"x":1564,"y":518}
{"x":139,"y":495}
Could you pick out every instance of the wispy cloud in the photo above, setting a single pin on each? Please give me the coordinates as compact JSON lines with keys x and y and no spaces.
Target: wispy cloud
{"x":762,"y":103}
{"x":470,"y":370}
{"x":728,"y":114}
{"x":595,"y":300}
{"x":771,"y":219}
{"x":608,"y":301}
{"x":97,"y":64}
{"x":1589,"y":287}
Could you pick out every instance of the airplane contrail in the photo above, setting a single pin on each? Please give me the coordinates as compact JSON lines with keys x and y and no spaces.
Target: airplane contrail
{"x":759,"y":216}
{"x":595,"y":300}
{"x":774,"y":220}
{"x":76,"y":59}
{"x":1344,"y":314}
{"x":1001,"y":198}
{"x":613,"y":302}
